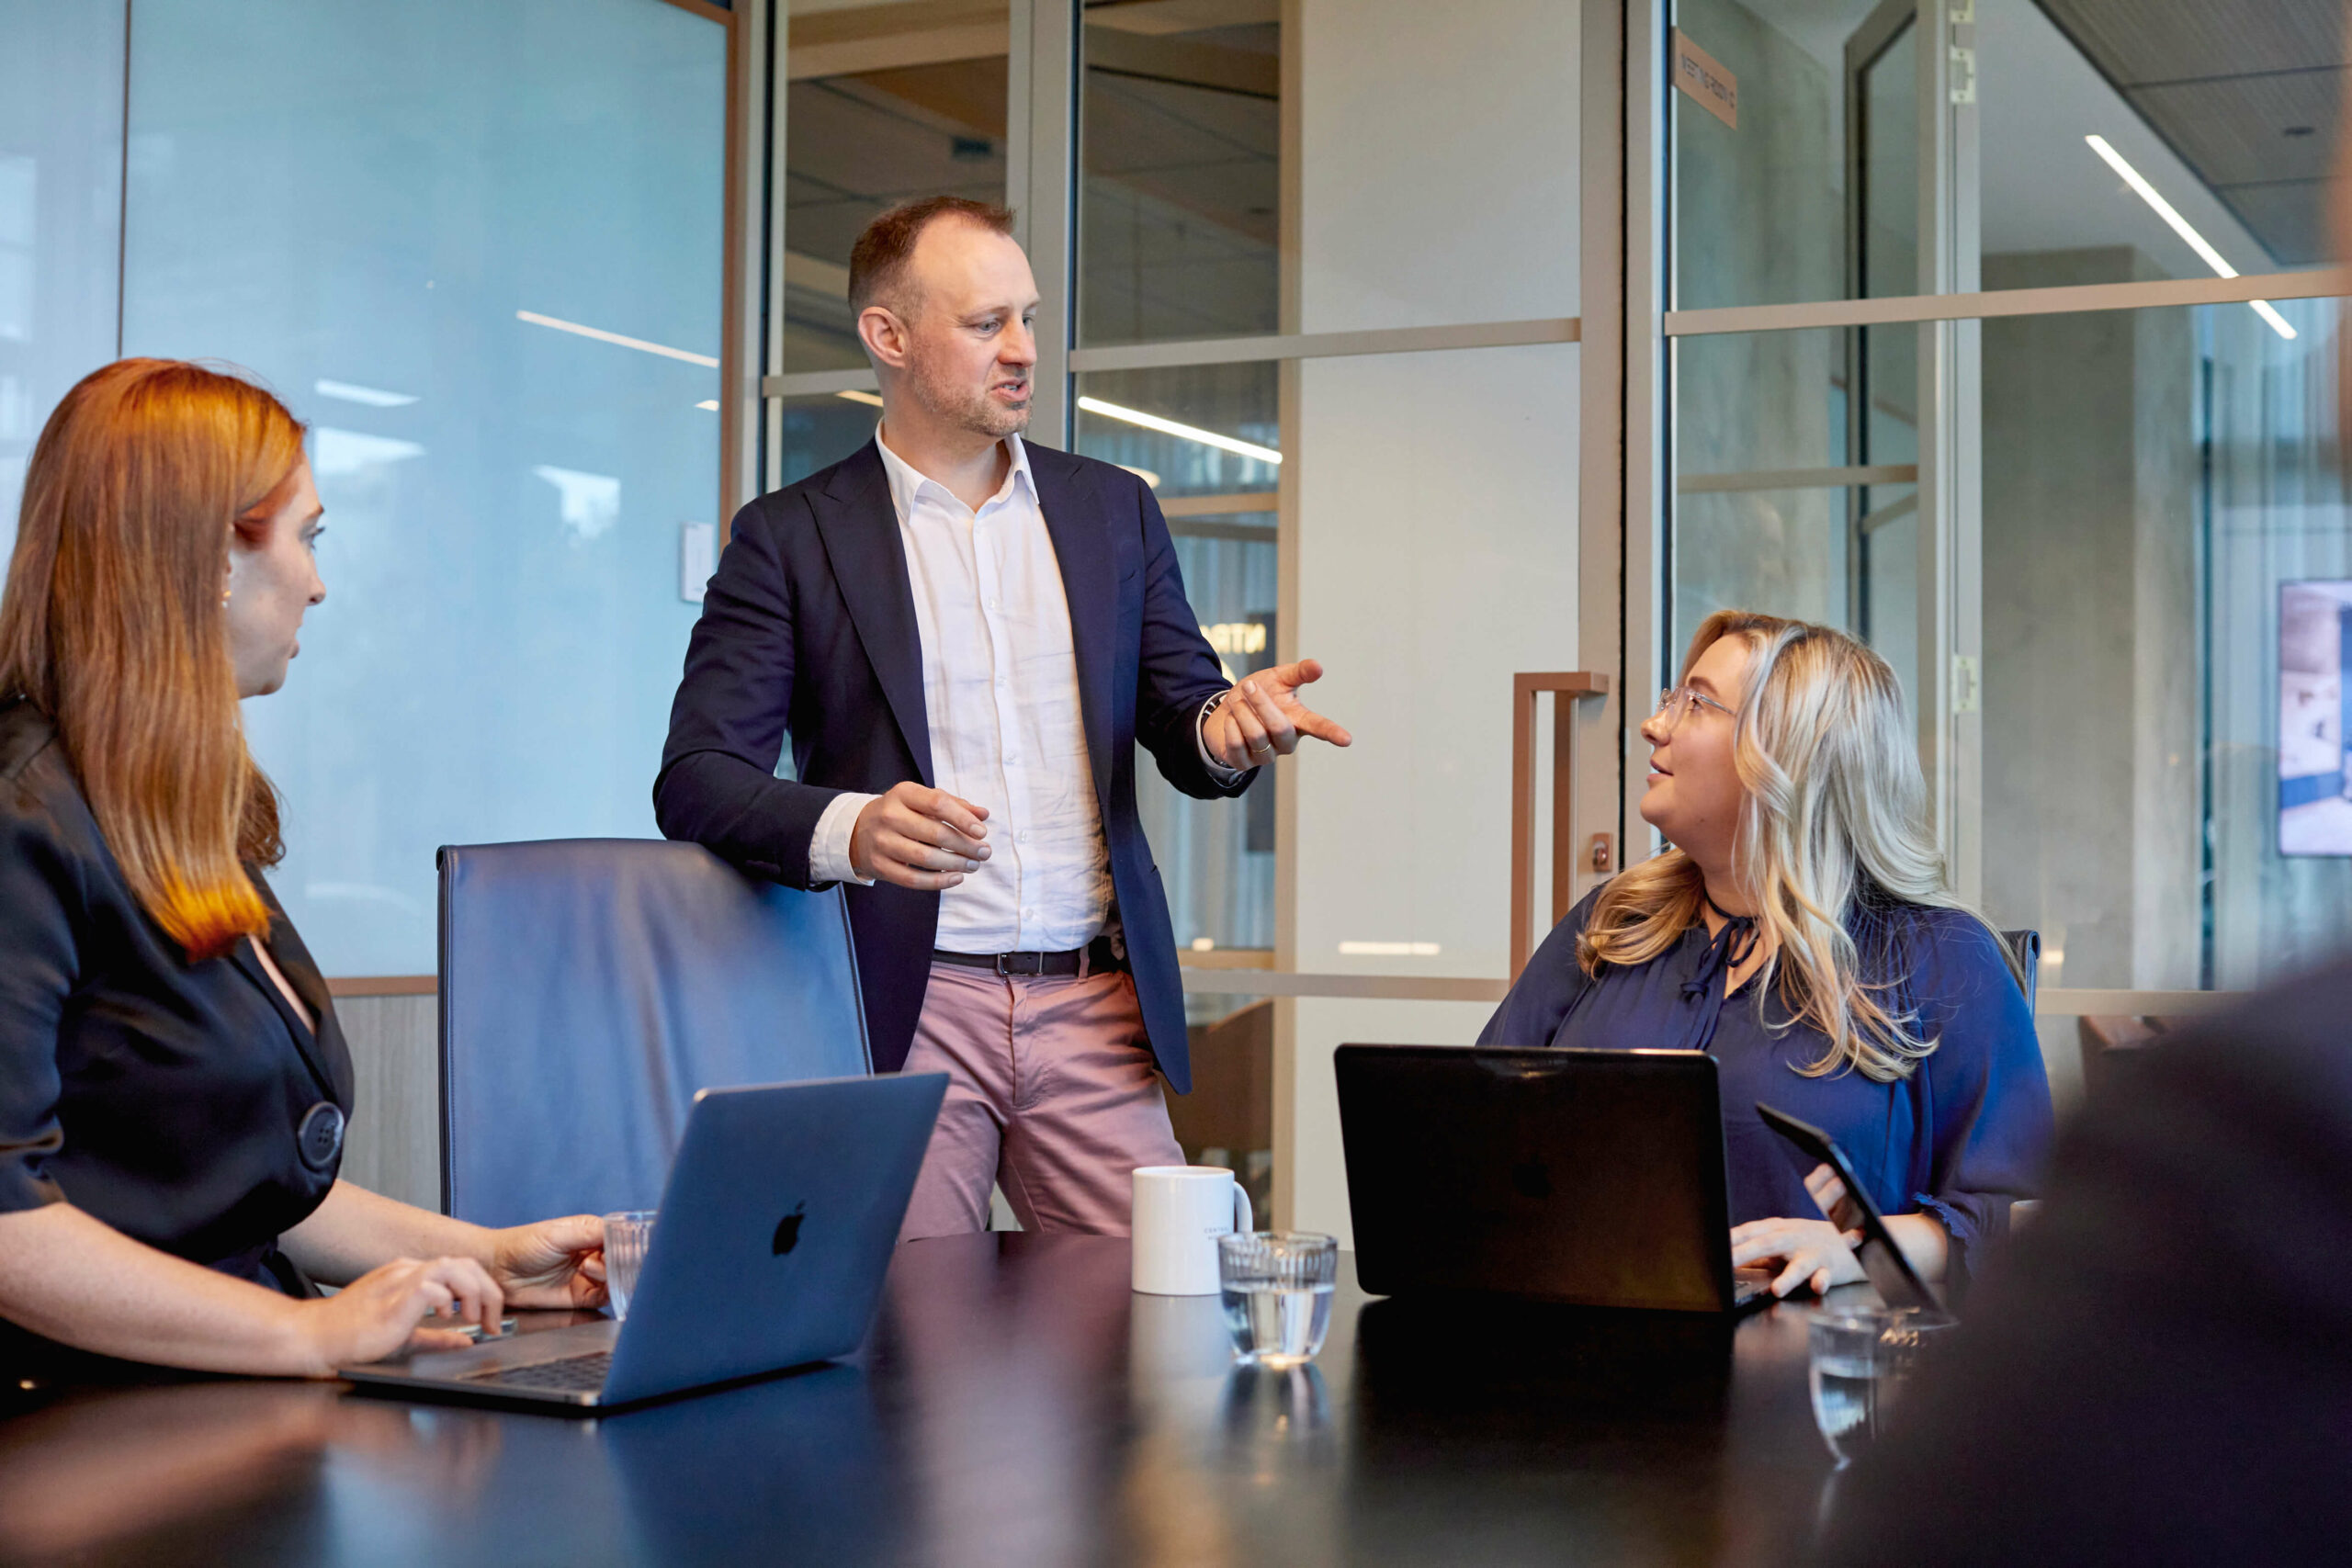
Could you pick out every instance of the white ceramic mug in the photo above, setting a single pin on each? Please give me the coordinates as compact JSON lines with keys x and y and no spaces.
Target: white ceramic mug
{"x":1179,"y":1210}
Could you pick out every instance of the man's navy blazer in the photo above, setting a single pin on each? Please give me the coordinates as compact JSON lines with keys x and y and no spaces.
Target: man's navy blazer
{"x":809,"y":629}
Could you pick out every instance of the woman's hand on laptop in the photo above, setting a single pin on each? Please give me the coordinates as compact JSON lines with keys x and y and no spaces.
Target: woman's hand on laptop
{"x":1811,"y":1253}
{"x":414,"y":1304}
{"x":555,"y":1263}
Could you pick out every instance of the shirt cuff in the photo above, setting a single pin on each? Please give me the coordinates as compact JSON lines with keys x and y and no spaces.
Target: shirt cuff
{"x":828,"y":845}
{"x":1219,"y":774}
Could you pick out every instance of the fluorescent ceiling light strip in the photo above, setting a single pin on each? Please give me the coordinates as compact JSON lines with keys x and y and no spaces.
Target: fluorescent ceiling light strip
{"x":1181,"y":432}
{"x":857,"y":397}
{"x":374,"y":396}
{"x":2181,"y":226}
{"x":603,"y":336}
{"x":2264,"y":309}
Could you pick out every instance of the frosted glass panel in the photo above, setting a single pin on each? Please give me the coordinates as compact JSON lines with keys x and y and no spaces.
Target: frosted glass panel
{"x":1438,"y":149}
{"x":415,"y":234}
{"x":60,"y":171}
{"x":1423,"y":586}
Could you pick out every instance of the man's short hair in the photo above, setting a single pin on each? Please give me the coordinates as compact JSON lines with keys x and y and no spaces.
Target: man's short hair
{"x":878,"y":264}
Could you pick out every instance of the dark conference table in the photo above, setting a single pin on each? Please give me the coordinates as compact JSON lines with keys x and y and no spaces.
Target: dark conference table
{"x":1016,"y":1404}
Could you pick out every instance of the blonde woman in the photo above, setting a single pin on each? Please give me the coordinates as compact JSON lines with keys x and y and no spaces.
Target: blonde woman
{"x":1799,"y":930}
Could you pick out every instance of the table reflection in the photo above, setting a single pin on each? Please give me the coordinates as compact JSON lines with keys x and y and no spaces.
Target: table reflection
{"x":1017,"y":1403}
{"x":91,"y":1473}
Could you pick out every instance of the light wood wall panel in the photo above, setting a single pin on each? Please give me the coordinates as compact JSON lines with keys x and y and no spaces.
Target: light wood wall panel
{"x":395,"y":1140}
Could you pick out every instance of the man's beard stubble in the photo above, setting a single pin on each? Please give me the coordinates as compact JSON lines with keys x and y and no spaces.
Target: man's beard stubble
{"x":974,"y":411}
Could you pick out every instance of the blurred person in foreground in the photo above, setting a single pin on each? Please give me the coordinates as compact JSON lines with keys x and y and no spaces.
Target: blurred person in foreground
{"x":2161,"y":1372}
{"x":1799,"y":929}
{"x":174,"y":1088}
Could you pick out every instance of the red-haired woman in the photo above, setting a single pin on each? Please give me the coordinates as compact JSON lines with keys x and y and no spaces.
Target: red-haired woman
{"x":173,"y":1086}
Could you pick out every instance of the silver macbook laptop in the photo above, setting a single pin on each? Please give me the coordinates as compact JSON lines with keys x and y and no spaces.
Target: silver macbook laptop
{"x":777,"y":1224}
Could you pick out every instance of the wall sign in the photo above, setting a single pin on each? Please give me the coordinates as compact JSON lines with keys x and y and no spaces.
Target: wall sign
{"x":1703,"y":79}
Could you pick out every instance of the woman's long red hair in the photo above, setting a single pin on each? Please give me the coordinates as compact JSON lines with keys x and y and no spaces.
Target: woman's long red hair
{"x":112,"y":623}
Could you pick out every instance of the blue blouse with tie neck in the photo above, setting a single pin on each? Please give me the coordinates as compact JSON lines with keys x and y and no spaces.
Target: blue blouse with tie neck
{"x":1962,"y":1137}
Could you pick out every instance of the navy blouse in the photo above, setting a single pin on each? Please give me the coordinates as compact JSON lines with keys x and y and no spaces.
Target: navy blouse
{"x":1961,"y":1137}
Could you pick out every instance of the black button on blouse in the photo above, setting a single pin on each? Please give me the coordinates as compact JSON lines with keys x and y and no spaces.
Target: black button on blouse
{"x":185,"y":1104}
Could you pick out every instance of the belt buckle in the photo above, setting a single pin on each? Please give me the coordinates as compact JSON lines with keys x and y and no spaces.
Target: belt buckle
{"x":1006,"y":969}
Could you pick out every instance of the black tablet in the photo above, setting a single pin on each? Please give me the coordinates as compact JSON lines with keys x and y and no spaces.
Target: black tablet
{"x":1890,"y":1273}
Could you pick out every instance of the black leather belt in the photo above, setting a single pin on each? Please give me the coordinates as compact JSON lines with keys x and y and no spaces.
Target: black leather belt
{"x":1094,"y":958}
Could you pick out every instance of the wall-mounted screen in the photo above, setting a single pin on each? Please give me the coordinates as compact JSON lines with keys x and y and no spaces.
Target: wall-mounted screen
{"x":2314,"y":681}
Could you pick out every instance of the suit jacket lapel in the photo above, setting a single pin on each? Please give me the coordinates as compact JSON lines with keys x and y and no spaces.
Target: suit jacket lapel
{"x":860,"y":527}
{"x":306,"y":1038}
{"x":1065,"y":495}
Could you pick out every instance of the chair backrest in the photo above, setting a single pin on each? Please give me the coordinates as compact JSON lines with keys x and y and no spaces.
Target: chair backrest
{"x":2026,"y":945}
{"x":589,"y":987}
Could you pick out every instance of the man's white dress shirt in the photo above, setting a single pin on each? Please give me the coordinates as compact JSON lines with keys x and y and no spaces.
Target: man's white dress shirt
{"x":1000,"y":691}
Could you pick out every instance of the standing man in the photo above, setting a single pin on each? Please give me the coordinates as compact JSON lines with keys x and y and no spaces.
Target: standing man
{"x":965,"y":638}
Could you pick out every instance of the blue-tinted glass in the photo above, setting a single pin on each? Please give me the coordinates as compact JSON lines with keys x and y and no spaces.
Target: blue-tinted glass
{"x":60,"y":171}
{"x":401,"y":215}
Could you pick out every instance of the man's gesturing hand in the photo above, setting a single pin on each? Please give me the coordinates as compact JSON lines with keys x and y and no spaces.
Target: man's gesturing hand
{"x":1262,"y":718}
{"x":918,"y":837}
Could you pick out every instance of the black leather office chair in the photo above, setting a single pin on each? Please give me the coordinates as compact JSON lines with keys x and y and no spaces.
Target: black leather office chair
{"x":589,"y":987}
{"x":2027,"y":946}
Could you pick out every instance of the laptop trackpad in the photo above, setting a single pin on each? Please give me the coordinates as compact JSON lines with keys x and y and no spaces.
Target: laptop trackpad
{"x":509,"y":1351}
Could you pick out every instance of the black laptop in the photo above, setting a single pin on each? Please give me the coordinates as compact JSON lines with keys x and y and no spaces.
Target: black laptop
{"x":1592,"y":1177}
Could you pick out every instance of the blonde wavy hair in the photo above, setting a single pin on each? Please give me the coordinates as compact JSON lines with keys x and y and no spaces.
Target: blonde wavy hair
{"x":1834,"y":825}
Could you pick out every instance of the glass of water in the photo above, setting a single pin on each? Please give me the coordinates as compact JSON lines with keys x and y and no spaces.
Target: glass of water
{"x":629,"y":1236}
{"x":1860,"y":1359}
{"x":1277,"y":1288}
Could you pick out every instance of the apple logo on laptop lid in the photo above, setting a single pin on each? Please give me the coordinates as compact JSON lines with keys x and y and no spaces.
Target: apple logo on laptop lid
{"x":788,"y":1230}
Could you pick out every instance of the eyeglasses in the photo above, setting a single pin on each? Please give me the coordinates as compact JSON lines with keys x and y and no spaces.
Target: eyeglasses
{"x":1676,"y":702}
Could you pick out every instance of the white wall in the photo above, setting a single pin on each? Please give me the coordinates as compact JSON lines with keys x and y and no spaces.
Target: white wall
{"x":1436,"y":521}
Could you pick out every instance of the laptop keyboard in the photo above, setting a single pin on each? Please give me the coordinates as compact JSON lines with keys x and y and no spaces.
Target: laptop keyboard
{"x":573,"y":1374}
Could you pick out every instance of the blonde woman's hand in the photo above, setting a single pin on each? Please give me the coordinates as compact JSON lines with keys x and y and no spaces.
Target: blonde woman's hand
{"x":1812,"y":1253}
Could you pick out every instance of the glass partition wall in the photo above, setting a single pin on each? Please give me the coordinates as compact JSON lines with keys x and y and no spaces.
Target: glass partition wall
{"x":1324,"y":303}
{"x":61,"y":211}
{"x":481,"y":250}
{"x":1989,"y":335}
{"x":1456,"y":343}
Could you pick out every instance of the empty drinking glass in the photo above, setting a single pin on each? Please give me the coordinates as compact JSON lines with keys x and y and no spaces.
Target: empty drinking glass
{"x":629,"y":1236}
{"x":1277,"y":1287}
{"x":1860,"y":1359}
